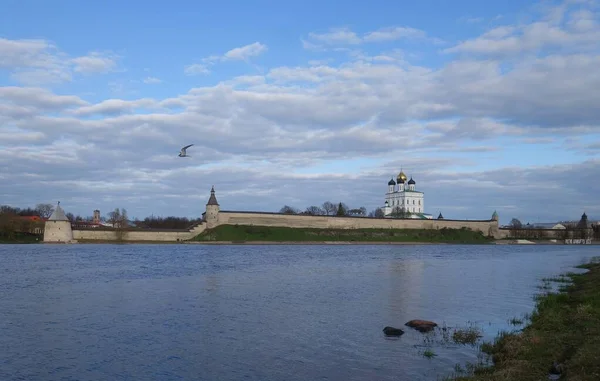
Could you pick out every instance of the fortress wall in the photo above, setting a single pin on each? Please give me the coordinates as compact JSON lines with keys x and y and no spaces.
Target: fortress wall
{"x":109,"y":235}
{"x":331,"y":222}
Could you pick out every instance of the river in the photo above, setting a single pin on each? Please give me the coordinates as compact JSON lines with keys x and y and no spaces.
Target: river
{"x":272,"y":312}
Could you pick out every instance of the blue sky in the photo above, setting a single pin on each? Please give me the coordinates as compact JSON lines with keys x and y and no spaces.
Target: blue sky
{"x":299,"y":103}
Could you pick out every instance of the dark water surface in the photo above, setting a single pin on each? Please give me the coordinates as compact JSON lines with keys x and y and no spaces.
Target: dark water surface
{"x":194,"y":312}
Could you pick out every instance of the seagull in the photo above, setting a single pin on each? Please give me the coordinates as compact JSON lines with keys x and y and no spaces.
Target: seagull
{"x":182,"y":153}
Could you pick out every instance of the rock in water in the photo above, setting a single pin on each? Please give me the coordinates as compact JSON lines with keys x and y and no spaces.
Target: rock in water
{"x":391,"y":331}
{"x":421,"y":325}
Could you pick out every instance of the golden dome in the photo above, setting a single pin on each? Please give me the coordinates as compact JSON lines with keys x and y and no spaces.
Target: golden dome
{"x":401,"y":176}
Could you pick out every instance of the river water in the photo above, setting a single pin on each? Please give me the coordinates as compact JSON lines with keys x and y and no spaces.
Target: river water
{"x":273,"y":312}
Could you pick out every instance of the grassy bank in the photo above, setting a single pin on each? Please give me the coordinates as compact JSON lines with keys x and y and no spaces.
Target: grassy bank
{"x":245,"y":233}
{"x":21,"y":238}
{"x":563,"y":335}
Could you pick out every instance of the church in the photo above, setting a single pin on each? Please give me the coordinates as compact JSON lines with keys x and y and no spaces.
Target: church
{"x":402,"y":195}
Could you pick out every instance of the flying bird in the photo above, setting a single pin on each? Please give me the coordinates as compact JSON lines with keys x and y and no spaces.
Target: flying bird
{"x":183,"y":153}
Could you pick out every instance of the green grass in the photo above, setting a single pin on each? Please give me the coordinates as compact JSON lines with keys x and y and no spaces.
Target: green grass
{"x":564,"y":328}
{"x":21,"y":238}
{"x":247,"y":233}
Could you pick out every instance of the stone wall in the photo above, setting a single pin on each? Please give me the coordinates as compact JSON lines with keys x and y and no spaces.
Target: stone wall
{"x":487,"y":227}
{"x":138,"y":235}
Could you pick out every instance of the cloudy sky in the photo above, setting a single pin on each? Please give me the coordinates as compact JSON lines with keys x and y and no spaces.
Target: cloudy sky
{"x":487,"y":105}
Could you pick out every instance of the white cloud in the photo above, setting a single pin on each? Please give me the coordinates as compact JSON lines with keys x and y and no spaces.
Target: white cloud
{"x":152,"y":80}
{"x":39,"y":62}
{"x":196,"y":69}
{"x":303,"y":134}
{"x":392,"y":34}
{"x":336,"y":37}
{"x":243,"y":53}
{"x":95,"y":62}
{"x":579,"y":32}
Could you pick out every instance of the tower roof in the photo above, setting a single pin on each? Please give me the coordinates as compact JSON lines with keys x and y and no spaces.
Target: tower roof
{"x":440,"y":217}
{"x":58,"y":214}
{"x":583,"y":222}
{"x":391,"y":182}
{"x":212,"y":199}
{"x":411,"y":181}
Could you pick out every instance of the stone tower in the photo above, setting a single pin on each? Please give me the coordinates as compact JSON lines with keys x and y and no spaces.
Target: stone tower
{"x":212,"y":210}
{"x":58,"y":227}
{"x":96,"y":219}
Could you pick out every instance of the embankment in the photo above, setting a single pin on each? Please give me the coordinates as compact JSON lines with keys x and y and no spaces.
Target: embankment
{"x":563,"y":336}
{"x":19,"y":237}
{"x":247,"y":234}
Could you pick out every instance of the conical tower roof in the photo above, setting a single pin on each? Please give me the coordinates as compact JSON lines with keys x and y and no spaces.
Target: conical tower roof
{"x":212,"y":199}
{"x":58,"y":214}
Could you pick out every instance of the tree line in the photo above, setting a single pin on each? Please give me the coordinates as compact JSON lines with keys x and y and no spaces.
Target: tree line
{"x":11,"y":224}
{"x":518,"y":230}
{"x":341,"y":209}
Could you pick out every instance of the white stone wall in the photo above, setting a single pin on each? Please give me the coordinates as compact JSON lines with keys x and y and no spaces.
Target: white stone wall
{"x":487,"y":227}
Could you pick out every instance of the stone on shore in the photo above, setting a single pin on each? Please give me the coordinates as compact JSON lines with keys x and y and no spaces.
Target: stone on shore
{"x":421,"y":325}
{"x":391,"y":331}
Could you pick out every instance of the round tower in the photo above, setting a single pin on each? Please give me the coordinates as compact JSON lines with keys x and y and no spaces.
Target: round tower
{"x":58,"y":227}
{"x":212,"y":210}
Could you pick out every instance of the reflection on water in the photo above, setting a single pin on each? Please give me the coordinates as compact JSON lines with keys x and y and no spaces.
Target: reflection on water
{"x":171,"y":312}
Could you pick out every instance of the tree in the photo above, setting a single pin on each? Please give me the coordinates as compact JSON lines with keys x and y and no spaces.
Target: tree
{"x":342,"y":209}
{"x":329,"y":207}
{"x":400,"y":212}
{"x":515,"y":227}
{"x":377,"y":213}
{"x":362,"y":211}
{"x":314,"y":211}
{"x":516,"y":223}
{"x":44,"y":210}
{"x":70,"y":217}
{"x":114,"y":217}
{"x":288,"y":210}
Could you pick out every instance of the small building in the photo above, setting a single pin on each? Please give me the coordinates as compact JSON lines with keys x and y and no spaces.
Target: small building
{"x":58,"y":227}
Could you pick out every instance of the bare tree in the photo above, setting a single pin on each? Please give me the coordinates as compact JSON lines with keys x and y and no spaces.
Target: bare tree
{"x":120,"y":221}
{"x":314,"y":211}
{"x":70,"y":217}
{"x":362,"y":211}
{"x":515,"y":227}
{"x":400,"y":212}
{"x":329,"y":207}
{"x":114,"y":217}
{"x":44,"y":210}
{"x":288,"y":210}
{"x":377,"y":213}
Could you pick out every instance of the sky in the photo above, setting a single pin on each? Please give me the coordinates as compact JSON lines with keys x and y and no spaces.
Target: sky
{"x":487,"y":105}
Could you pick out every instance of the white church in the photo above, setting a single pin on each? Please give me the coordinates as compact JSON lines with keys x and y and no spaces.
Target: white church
{"x":403,"y":194}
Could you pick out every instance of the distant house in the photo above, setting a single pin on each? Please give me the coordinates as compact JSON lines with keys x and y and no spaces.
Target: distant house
{"x":36,"y":226}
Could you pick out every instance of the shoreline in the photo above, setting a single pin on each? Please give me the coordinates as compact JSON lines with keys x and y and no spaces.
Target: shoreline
{"x":560,"y":340}
{"x":191,"y":242}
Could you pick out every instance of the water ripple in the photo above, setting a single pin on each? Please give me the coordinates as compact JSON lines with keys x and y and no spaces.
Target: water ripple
{"x":139,"y":312}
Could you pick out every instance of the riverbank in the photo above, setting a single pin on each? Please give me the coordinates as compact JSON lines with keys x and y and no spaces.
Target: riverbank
{"x":563,"y":336}
{"x":21,"y":238}
{"x":269,"y":234}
